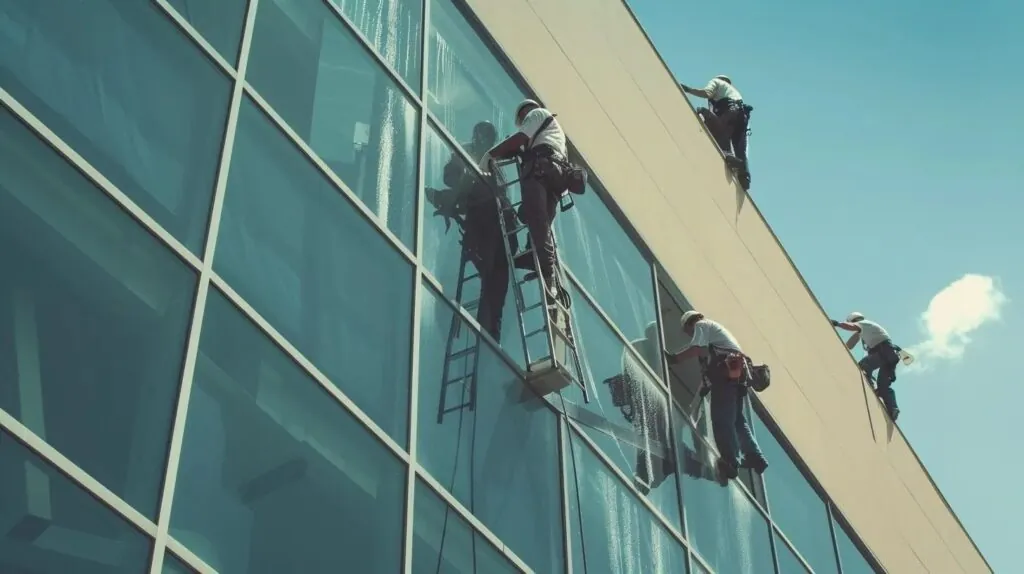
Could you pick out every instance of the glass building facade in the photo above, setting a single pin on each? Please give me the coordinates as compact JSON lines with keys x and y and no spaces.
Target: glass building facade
{"x":226,"y":304}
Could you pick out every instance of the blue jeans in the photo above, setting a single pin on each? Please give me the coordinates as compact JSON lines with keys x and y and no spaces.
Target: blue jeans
{"x":883,"y":358}
{"x":729,"y":422}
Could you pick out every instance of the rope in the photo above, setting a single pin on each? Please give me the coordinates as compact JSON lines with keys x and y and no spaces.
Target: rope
{"x":576,"y":483}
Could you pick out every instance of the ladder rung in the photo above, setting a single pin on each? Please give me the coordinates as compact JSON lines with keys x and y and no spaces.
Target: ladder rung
{"x":457,"y":380}
{"x":471,"y":305}
{"x":515,"y":230}
{"x":462,"y":353}
{"x":534,"y":306}
{"x":457,"y":408}
{"x":536,"y":332}
{"x":471,"y":277}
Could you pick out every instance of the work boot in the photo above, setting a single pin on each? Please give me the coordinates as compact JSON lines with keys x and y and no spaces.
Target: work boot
{"x":893,"y":414}
{"x":524,"y":261}
{"x":727,"y":469}
{"x":755,"y":462}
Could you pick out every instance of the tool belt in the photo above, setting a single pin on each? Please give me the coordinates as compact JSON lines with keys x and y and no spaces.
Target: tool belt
{"x":544,"y":159}
{"x":728,"y":366}
{"x":723,"y":106}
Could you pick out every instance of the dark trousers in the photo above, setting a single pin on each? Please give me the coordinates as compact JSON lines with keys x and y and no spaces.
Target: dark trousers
{"x":884,"y":359}
{"x":483,"y":244}
{"x":729,"y":422}
{"x":729,"y":130}
{"x":541,"y":189}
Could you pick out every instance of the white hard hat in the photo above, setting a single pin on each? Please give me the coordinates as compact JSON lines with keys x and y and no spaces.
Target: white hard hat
{"x":854,"y":317}
{"x":688,"y":316}
{"x":724,"y":78}
{"x":523,"y":105}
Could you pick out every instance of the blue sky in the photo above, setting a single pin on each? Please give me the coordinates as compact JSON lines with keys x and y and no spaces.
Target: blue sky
{"x":886,"y":154}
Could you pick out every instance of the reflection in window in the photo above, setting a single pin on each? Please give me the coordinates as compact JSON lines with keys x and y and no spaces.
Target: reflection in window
{"x":794,"y":505}
{"x":310,"y":67}
{"x":788,"y":561}
{"x":627,"y":415}
{"x":444,"y":543}
{"x":850,"y":555}
{"x":611,"y":531}
{"x":299,"y":252}
{"x":467,"y":83}
{"x":476,"y":233}
{"x":220,"y":22}
{"x":507,"y":444}
{"x":594,"y":246}
{"x":723,"y":525}
{"x":120,"y":83}
{"x":275,"y":475}
{"x":174,"y":566}
{"x":394,"y":27}
{"x":52,"y":526}
{"x":93,"y":316}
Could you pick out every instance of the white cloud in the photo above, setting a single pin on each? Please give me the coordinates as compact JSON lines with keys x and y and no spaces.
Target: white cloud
{"x":954,"y":314}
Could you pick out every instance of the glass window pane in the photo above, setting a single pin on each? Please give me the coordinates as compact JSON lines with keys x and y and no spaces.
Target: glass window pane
{"x":52,"y":526}
{"x":444,"y":543}
{"x":93,"y":316}
{"x":794,"y":505}
{"x":310,"y":67}
{"x":275,"y":475}
{"x":124,"y":87}
{"x":788,"y":562}
{"x":618,"y":534}
{"x":851,"y":557}
{"x":610,"y":267}
{"x":467,"y":83}
{"x":723,"y":525}
{"x":395,"y":28}
{"x":219,"y":21}
{"x":297,"y":250}
{"x":507,"y":444}
{"x":447,"y":239}
{"x":627,"y":415}
{"x":174,"y":566}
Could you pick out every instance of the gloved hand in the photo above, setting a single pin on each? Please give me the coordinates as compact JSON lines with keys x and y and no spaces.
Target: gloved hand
{"x":835,"y":323}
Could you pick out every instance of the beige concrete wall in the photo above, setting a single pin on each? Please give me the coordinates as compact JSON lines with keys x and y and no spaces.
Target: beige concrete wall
{"x":591,"y":62}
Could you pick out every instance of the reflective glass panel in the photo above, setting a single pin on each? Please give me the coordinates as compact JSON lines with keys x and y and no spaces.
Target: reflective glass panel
{"x":500,"y":458}
{"x":174,"y":566}
{"x":444,"y":543}
{"x":394,"y":28}
{"x":467,"y":83}
{"x":126,"y":89}
{"x":723,"y":525}
{"x":321,"y":79}
{"x":794,"y":505}
{"x":317,"y":270}
{"x":788,"y":561}
{"x":597,"y":250}
{"x":611,"y":530}
{"x":474,"y":232}
{"x":275,"y":475}
{"x":53,"y":526}
{"x":93,"y":316}
{"x":627,"y":415}
{"x":851,"y":557}
{"x":219,"y":21}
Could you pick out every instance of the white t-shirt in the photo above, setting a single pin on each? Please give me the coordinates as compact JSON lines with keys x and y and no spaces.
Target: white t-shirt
{"x":871,"y":333}
{"x":552,"y":135}
{"x":707,"y":332}
{"x":719,"y":89}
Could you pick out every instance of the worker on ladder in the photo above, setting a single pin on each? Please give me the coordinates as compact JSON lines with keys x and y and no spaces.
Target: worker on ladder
{"x":541,"y":144}
{"x":470,"y":201}
{"x":728,"y":121}
{"x":727,"y":374}
{"x":880,"y":354}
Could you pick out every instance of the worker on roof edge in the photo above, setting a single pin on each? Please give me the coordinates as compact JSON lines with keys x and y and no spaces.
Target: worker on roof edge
{"x":728,"y":121}
{"x":541,"y":143}
{"x":880,"y":354}
{"x":720,"y":350}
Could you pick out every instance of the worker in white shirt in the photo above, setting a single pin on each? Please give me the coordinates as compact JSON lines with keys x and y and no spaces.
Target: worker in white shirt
{"x":727,"y":121}
{"x":714,"y":343}
{"x":541,"y":143}
{"x":881,"y":355}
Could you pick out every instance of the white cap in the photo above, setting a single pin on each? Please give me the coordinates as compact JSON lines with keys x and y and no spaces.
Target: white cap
{"x":854,"y":317}
{"x":687,"y":316}
{"x":522,"y":105}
